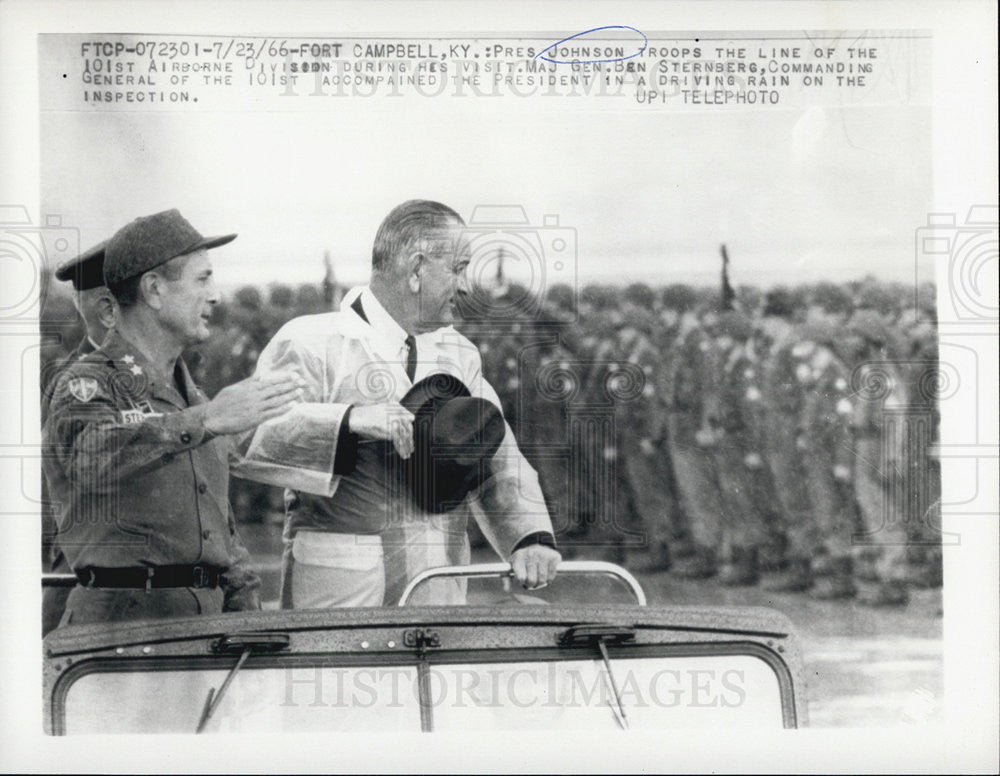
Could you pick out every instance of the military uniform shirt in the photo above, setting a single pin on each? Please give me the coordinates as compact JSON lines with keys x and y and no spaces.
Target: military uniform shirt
{"x":137,"y":479}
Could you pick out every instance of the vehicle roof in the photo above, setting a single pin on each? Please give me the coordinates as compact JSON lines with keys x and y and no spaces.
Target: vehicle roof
{"x":748,"y":621}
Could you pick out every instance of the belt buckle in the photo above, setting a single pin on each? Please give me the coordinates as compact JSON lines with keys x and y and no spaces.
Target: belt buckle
{"x":199,"y":577}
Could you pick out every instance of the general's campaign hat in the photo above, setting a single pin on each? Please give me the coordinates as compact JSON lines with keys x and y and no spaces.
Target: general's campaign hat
{"x":150,"y":241}
{"x":454,"y":434}
{"x":86,"y":270}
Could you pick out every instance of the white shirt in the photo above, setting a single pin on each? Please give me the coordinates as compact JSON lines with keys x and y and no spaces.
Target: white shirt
{"x":388,"y":336}
{"x":344,"y":361}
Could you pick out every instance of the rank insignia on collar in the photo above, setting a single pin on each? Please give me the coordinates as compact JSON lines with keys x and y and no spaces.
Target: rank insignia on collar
{"x":83,"y":388}
{"x":129,"y":359}
{"x":135,"y":369}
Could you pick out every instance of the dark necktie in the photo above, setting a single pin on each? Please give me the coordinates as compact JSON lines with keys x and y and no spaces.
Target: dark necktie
{"x":411,"y":342}
{"x":411,"y":356}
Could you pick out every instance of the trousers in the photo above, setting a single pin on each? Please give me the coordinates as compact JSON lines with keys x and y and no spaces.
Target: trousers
{"x":88,"y":604}
{"x":325,"y":570}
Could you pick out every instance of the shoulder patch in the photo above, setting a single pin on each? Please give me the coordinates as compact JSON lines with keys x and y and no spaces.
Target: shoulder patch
{"x":82,"y":388}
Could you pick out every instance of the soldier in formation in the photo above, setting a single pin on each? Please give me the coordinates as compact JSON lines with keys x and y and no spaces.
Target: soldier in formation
{"x":787,"y":445}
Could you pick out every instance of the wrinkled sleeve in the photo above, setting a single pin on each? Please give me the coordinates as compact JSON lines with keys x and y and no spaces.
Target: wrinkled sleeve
{"x":242,"y":583}
{"x":509,"y":505}
{"x":298,"y":450}
{"x":93,"y":446}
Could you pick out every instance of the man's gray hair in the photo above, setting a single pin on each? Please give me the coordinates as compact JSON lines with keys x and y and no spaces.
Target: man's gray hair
{"x":404,"y":226}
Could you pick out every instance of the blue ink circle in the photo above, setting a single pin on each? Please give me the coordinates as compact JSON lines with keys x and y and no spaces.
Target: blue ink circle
{"x":645,"y":43}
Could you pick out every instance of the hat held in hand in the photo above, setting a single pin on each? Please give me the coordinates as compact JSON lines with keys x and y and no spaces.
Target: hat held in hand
{"x":150,"y":241}
{"x":454,"y":435}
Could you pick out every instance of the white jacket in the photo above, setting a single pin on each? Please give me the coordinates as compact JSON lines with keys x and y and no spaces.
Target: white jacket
{"x":343,"y":361}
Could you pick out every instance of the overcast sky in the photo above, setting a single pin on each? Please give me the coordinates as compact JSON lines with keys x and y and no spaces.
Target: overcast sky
{"x":821,"y":193}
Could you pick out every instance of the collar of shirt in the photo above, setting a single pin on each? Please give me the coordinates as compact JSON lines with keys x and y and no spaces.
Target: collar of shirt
{"x":391,"y":337}
{"x":144,"y":375}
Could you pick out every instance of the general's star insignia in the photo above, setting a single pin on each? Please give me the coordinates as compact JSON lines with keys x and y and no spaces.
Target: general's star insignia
{"x":129,"y":359}
{"x":135,"y":369}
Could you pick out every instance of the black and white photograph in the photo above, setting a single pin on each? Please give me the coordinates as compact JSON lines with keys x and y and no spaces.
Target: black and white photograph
{"x":607,"y":378}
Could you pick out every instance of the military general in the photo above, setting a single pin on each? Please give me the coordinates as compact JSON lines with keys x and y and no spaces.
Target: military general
{"x":136,"y":456}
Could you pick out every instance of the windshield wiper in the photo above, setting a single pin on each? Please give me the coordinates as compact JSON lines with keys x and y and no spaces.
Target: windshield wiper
{"x":244,"y":644}
{"x":622,"y":719}
{"x":600,"y":636}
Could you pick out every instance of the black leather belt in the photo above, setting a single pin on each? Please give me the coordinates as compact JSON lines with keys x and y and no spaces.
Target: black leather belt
{"x":151,"y":576}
